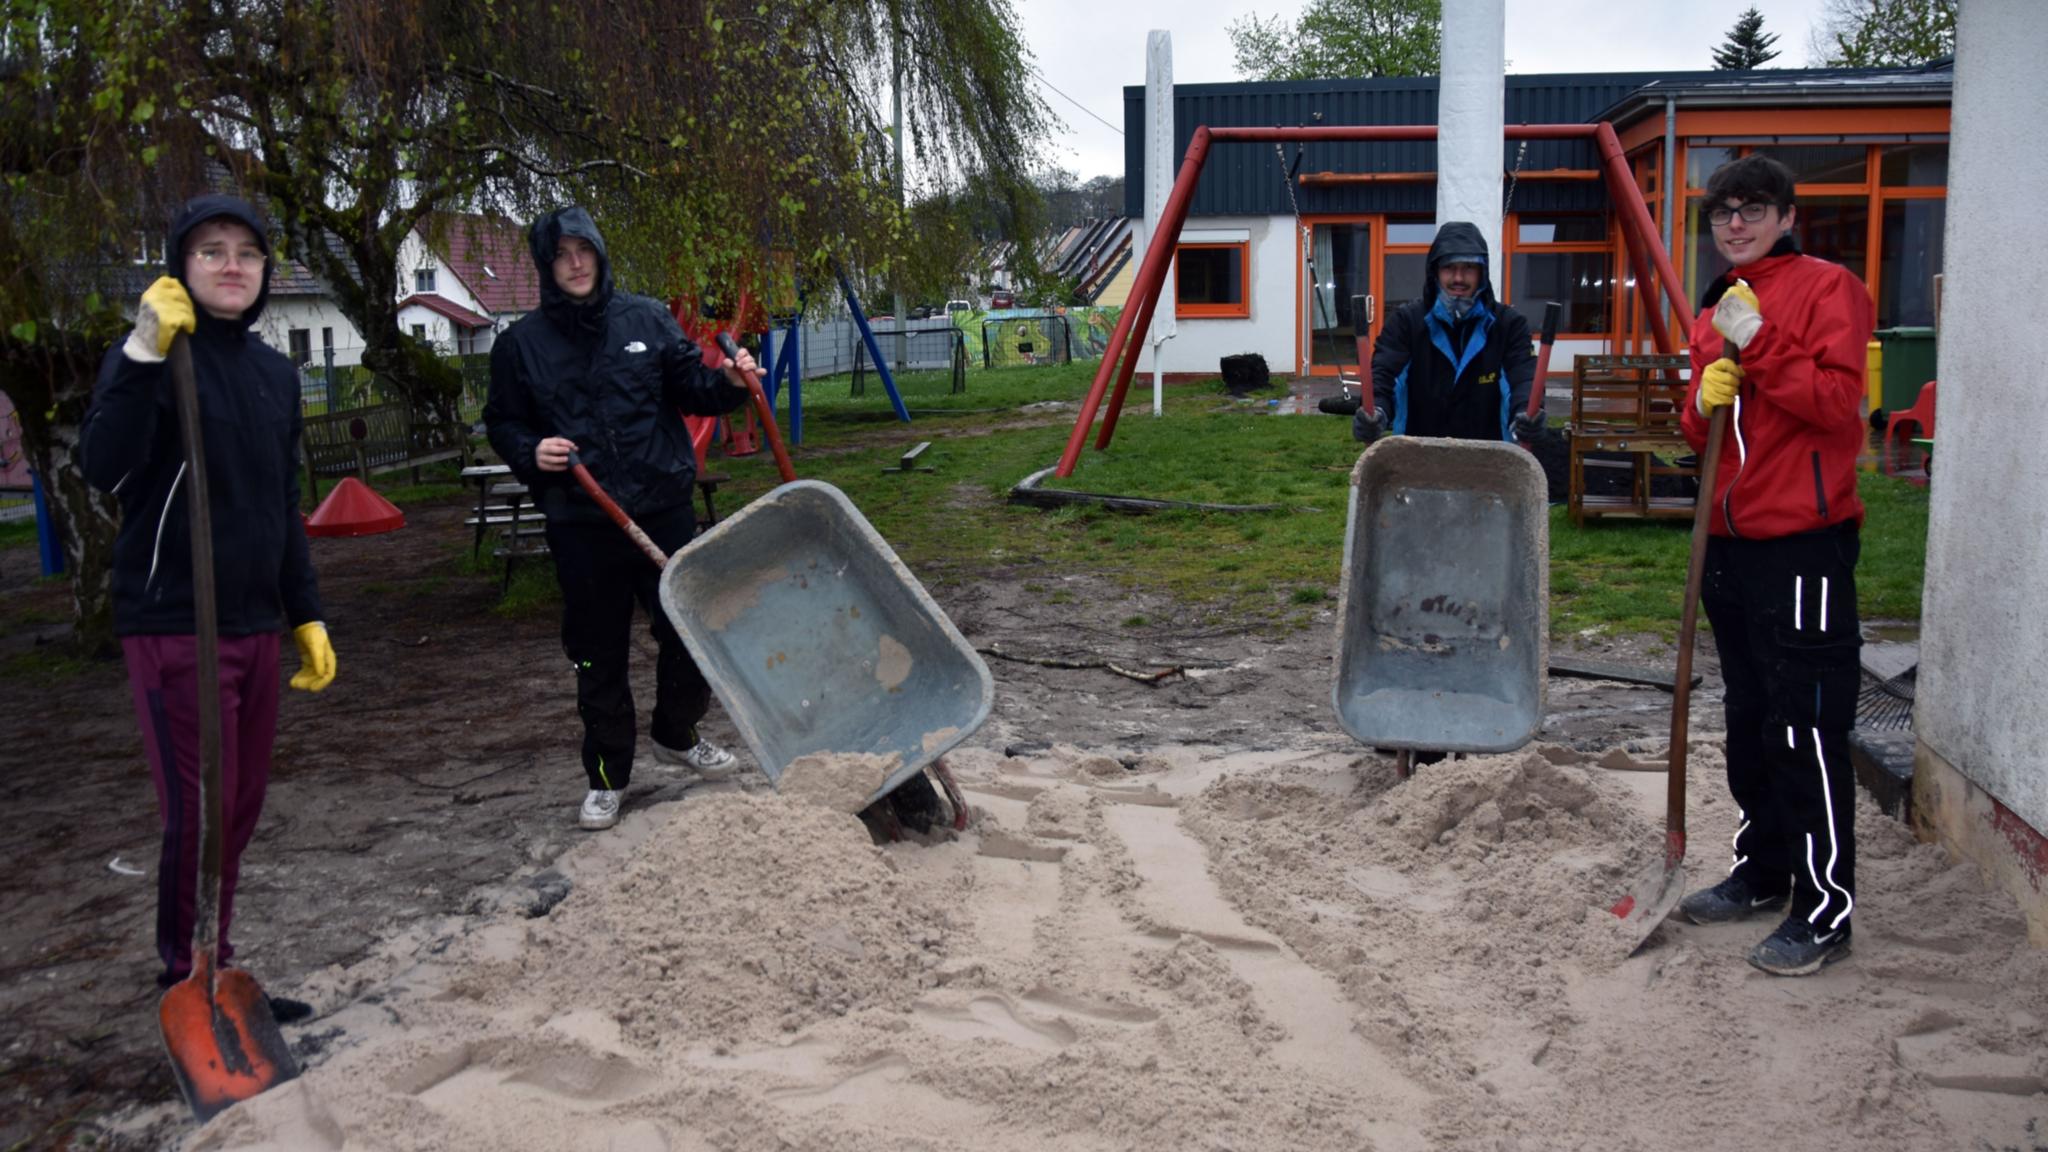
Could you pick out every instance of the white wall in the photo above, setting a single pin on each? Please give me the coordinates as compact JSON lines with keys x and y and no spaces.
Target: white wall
{"x":413,"y":255}
{"x":283,"y":313}
{"x":1983,"y":681}
{"x":1201,"y":344}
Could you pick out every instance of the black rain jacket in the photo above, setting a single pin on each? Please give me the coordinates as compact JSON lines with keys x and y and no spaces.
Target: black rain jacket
{"x":612,"y":372}
{"x":1464,"y":379}
{"x":131,"y":445}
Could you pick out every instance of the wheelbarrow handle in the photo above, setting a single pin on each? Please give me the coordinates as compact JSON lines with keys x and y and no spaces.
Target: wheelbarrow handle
{"x":612,"y":509}
{"x":752,"y":384}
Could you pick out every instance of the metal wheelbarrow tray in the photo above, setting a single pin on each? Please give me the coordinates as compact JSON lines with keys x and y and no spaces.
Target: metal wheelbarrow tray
{"x":818,"y":640}
{"x":1444,"y":612}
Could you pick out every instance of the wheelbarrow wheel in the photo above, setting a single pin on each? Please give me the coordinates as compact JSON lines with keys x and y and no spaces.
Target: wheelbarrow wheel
{"x":913,"y":805}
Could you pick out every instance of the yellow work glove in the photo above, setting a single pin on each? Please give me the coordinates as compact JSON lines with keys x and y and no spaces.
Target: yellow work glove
{"x":316,"y":657}
{"x":164,"y":312}
{"x":1738,"y":316}
{"x":1719,"y":382}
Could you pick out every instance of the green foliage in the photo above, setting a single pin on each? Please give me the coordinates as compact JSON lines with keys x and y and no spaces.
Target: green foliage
{"x":1341,"y":39}
{"x":1748,"y":45}
{"x":1883,"y":33}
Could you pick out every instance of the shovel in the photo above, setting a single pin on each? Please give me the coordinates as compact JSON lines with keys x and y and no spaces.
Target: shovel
{"x":224,"y":1044}
{"x":1659,"y":890}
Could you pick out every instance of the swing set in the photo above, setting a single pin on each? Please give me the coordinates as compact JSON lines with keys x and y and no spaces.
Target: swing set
{"x":1120,"y":359}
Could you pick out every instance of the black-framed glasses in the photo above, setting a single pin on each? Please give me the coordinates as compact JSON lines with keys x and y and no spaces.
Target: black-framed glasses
{"x":1752,"y":213}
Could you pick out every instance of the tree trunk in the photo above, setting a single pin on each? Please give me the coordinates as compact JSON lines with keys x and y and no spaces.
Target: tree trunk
{"x":51,"y":386}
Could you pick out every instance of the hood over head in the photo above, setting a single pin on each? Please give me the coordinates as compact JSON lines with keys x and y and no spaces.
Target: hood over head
{"x":217,"y":207}
{"x":541,"y":240}
{"x":1457,"y":242}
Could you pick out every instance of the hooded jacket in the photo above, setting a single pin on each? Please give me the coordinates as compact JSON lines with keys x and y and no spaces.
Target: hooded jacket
{"x":611,"y":372}
{"x":1436,"y":374}
{"x":130,"y":445}
{"x":1788,"y":459}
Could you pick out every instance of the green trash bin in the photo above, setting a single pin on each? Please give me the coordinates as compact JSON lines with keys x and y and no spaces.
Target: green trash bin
{"x":1908,"y":364}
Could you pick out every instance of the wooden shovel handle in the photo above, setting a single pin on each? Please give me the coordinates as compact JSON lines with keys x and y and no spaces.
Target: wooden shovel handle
{"x":206,"y":627}
{"x":1688,"y":625}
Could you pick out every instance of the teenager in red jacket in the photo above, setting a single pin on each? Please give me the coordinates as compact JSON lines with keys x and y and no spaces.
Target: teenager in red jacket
{"x":1780,"y":341}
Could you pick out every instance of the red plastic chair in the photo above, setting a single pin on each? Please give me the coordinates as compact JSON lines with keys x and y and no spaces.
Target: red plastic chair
{"x":1901,"y":429}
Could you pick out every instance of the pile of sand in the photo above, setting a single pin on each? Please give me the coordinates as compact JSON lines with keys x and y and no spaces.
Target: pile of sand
{"x":1253,"y":951}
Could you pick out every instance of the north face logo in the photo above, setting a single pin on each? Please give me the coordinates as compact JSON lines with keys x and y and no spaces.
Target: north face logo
{"x":636,"y":346}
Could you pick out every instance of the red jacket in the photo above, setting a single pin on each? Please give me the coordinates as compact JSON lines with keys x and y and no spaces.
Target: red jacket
{"x":1788,"y":457}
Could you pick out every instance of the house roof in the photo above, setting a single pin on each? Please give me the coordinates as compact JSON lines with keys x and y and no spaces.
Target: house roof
{"x":1091,"y":252}
{"x":446,"y":307}
{"x":489,"y":254}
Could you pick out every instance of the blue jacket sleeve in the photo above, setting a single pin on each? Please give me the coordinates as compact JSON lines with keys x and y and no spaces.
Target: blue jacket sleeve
{"x":119,"y":431}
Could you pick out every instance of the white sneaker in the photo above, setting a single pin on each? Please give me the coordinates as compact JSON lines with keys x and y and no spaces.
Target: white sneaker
{"x":600,"y":810}
{"x":704,"y":758}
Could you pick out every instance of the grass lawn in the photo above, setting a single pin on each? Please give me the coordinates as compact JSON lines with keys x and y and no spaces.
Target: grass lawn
{"x":1611,"y":576}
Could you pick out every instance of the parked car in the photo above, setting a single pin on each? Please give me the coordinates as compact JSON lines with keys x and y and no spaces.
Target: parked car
{"x":953,"y":306}
{"x":1002,"y":298}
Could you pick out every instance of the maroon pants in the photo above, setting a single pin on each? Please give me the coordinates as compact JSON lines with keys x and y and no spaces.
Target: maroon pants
{"x":163,"y":672}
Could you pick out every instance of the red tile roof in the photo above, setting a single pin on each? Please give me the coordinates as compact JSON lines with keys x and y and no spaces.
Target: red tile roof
{"x":489,"y":254}
{"x":445,"y":307}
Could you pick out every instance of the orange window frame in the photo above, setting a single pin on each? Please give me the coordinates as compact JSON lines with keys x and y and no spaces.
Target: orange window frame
{"x":1512,"y":241}
{"x":1873,"y":189}
{"x":1242,"y":309}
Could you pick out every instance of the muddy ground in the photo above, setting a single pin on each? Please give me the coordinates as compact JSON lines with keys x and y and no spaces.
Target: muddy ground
{"x":434,"y":786}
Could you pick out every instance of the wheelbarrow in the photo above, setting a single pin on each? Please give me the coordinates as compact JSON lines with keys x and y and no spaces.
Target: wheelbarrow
{"x":1443,"y":634}
{"x":819,"y":641}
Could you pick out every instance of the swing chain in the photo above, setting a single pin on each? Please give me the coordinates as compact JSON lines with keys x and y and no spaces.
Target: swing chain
{"x":1521,"y":150}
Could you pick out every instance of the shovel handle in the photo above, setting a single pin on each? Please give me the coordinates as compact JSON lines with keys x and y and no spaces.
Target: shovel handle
{"x":206,"y":626}
{"x":617,"y":514}
{"x":752,"y":384}
{"x":1551,"y":310}
{"x":1688,"y":626}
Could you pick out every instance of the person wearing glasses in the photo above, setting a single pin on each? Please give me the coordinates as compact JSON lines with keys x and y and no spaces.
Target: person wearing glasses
{"x":1780,"y":342}
{"x":131,"y":446}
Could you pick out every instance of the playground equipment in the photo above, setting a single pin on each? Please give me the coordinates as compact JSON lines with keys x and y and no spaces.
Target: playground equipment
{"x":1120,"y":359}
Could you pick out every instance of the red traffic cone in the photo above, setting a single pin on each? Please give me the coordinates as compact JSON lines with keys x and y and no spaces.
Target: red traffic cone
{"x":352,"y":509}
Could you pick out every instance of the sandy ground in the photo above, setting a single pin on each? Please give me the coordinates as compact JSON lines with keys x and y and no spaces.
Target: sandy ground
{"x":1195,"y":915}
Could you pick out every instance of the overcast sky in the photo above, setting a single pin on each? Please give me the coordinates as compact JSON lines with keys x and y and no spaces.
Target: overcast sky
{"x":1086,"y":51}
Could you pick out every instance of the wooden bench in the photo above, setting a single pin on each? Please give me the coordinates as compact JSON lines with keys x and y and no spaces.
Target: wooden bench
{"x":1628,"y":407}
{"x":363,"y":442}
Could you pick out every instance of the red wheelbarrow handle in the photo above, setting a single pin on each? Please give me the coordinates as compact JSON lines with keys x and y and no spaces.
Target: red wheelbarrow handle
{"x":752,"y":384}
{"x":617,"y":514}
{"x":1536,"y":387}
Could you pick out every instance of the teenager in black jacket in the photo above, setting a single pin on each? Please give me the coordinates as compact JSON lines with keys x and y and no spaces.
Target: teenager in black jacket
{"x":608,"y":375}
{"x":1454,"y":363}
{"x":130,"y":445}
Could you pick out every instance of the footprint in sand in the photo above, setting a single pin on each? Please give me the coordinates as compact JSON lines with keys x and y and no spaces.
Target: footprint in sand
{"x":465,"y":1080}
{"x":994,"y":1017}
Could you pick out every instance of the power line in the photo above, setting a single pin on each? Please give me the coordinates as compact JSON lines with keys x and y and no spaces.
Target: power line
{"x":1074,"y":102}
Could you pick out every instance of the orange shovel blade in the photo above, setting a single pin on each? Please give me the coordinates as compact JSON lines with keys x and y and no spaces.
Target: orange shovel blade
{"x":224,"y":1047}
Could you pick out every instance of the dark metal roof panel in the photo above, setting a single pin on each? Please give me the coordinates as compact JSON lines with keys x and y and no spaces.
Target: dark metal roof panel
{"x":1250,"y":180}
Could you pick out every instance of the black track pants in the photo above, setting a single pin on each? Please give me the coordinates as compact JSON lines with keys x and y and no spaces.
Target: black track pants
{"x":602,"y":573}
{"x":1784,"y":617}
